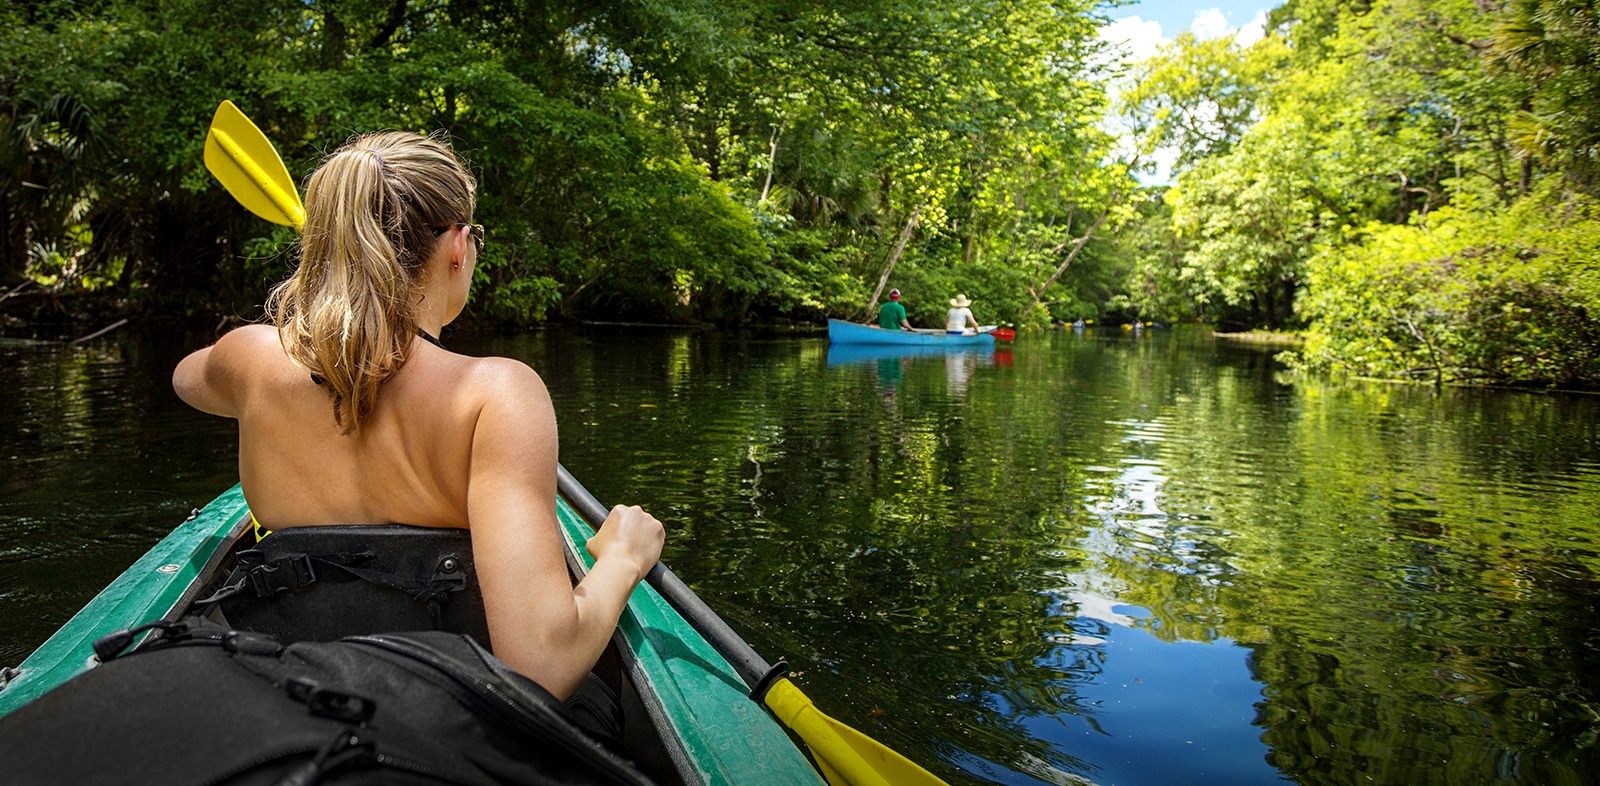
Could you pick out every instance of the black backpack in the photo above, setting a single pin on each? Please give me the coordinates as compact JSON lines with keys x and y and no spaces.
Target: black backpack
{"x":202,"y":704}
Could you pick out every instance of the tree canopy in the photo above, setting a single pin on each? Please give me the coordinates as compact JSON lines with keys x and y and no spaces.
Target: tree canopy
{"x":789,"y":161}
{"x":686,"y":161}
{"x":1411,"y":182}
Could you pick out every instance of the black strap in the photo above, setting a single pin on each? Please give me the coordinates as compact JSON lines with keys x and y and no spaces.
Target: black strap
{"x":348,"y":744}
{"x":293,"y":571}
{"x":426,"y":336}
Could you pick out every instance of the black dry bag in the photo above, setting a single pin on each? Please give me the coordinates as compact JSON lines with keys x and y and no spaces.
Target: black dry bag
{"x":205,"y":705}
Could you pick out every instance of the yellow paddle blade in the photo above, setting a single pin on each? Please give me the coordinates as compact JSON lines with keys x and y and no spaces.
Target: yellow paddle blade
{"x":246,"y":164}
{"x":846,"y":756}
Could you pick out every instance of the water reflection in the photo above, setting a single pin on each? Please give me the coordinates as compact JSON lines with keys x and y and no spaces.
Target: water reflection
{"x":1091,"y":557}
{"x":98,"y":460}
{"x":892,"y":361}
{"x":844,"y":354}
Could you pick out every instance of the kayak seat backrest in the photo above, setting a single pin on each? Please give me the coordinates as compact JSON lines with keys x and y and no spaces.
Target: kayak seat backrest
{"x":326,"y":583}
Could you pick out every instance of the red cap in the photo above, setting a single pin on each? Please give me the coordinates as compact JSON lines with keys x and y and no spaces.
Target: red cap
{"x":894,"y":294}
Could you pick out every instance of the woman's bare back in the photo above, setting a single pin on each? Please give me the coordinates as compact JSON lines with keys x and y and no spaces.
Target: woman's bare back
{"x":409,"y":463}
{"x":452,"y":442}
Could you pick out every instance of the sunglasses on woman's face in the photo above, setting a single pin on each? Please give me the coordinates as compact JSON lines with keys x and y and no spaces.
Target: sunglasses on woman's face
{"x":476,"y":230}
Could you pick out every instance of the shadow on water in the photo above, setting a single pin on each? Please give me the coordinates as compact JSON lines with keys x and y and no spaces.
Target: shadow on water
{"x":1091,"y":557}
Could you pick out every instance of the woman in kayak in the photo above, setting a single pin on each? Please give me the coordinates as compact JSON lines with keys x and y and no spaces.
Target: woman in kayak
{"x":959,"y":316}
{"x":350,"y":412}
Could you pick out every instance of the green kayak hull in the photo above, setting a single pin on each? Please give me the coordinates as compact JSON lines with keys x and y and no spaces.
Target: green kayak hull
{"x":711,"y":729}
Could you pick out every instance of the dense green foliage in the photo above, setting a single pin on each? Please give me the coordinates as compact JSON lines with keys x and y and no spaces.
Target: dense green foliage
{"x":1410,"y":181}
{"x":1466,"y":294}
{"x":790,"y":161}
{"x":686,"y":161}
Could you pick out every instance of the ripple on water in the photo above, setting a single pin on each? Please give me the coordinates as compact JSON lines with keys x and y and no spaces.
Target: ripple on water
{"x":1117,"y":560}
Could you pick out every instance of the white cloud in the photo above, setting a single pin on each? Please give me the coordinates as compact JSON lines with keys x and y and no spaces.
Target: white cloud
{"x":1137,"y":38}
{"x":1212,"y":23}
{"x":1254,"y":30}
{"x":1209,"y":23}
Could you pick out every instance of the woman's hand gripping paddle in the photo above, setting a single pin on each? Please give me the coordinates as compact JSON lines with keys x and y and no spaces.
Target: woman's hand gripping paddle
{"x":846,"y":756}
{"x":248,"y":166}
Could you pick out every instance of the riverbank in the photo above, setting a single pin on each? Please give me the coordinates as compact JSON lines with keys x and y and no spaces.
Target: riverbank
{"x":1263,"y":337}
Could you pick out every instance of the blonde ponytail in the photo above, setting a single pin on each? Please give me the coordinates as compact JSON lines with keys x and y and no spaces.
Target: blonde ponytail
{"x":374,"y":209}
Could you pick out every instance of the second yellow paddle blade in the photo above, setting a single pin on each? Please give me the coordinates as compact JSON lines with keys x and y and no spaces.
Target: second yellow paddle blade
{"x":247,"y":165}
{"x":846,"y":756}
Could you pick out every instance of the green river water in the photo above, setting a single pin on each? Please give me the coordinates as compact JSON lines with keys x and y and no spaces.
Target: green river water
{"x":1094,"y":557}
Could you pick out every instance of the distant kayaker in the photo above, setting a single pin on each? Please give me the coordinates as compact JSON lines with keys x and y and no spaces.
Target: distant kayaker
{"x":959,"y":316}
{"x":351,"y":412}
{"x":892,"y":315}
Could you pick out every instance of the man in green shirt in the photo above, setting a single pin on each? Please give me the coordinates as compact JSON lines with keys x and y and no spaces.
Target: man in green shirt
{"x":892,"y":315}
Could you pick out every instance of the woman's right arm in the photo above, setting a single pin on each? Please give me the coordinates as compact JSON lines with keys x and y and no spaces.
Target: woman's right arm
{"x":541,"y":625}
{"x":209,"y":379}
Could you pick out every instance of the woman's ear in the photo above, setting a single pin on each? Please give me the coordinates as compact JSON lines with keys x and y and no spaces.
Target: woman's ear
{"x":459,"y":241}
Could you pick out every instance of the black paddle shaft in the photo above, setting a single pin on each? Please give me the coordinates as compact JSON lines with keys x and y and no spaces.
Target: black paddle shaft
{"x":752,"y":668}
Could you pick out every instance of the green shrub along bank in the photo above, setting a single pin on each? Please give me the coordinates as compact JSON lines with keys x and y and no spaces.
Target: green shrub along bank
{"x":1411,"y":183}
{"x":1465,"y":295}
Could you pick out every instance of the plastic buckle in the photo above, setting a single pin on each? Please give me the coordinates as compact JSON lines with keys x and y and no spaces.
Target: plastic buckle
{"x":289,"y":573}
{"x":330,"y":703}
{"x":245,"y":642}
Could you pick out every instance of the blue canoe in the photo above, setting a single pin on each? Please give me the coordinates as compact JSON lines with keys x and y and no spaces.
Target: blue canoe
{"x":840,"y":332}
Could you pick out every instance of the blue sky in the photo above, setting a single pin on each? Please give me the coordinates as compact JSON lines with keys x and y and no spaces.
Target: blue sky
{"x":1141,"y":28}
{"x":1175,"y":16}
{"x":1145,"y":25}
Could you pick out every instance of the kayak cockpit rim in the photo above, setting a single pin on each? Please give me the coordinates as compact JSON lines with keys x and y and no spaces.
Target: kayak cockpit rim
{"x":211,"y":573}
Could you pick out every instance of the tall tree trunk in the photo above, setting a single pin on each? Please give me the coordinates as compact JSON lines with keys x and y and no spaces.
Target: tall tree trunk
{"x":333,"y":34}
{"x":905,"y":235}
{"x":772,"y":162}
{"x":14,"y":243}
{"x":712,"y":142}
{"x":397,"y":17}
{"x":1077,"y":246}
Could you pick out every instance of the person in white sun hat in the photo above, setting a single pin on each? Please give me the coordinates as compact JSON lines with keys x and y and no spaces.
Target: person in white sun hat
{"x":956,"y":321}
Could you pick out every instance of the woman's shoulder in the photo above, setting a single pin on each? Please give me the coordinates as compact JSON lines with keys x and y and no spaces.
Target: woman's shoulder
{"x":251,"y":337}
{"x":498,"y":375}
{"x":508,"y":400}
{"x":249,"y":346}
{"x":504,"y":385}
